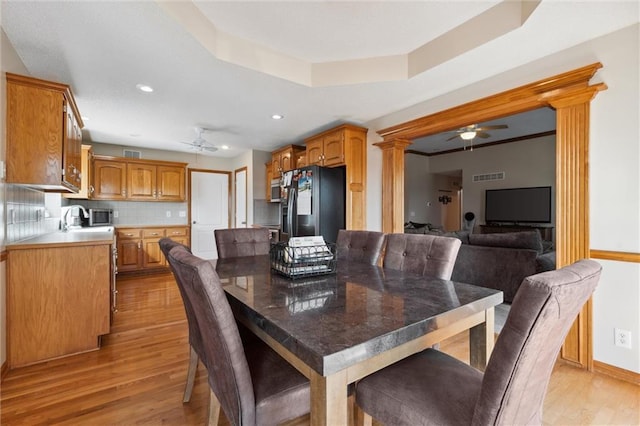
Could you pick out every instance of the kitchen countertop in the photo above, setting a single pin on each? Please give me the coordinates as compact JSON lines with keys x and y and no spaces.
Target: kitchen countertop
{"x":61,"y":239}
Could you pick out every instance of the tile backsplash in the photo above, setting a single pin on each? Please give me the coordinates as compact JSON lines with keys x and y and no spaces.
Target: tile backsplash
{"x":139,"y":212}
{"x":25,"y":213}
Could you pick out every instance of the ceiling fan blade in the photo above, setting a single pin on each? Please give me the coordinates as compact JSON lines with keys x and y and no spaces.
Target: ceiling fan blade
{"x":482,"y":135}
{"x":210,"y":148}
{"x":452,"y":137}
{"x":493,"y":127}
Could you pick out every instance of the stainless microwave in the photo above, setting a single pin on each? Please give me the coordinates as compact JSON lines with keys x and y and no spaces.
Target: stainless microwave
{"x":275,"y":190}
{"x":100,"y":217}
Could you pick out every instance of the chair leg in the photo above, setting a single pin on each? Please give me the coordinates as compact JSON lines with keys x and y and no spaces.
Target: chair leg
{"x":191,"y":374}
{"x":214,"y":410}
{"x":362,"y":418}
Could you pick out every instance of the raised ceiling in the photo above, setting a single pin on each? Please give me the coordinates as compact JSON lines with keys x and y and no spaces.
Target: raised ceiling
{"x":230,"y":65}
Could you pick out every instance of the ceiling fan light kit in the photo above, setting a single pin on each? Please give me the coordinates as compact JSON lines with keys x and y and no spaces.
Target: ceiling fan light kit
{"x":199,"y":144}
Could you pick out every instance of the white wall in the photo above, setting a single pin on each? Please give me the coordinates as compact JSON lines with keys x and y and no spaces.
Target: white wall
{"x":615,"y":181}
{"x":9,"y":62}
{"x":525,"y":163}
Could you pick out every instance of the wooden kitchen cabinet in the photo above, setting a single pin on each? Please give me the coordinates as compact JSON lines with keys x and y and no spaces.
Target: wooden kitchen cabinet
{"x":328,"y":148}
{"x":44,"y":136}
{"x":123,"y":179}
{"x":58,"y":301}
{"x":140,"y":249}
{"x":345,"y":145}
{"x":109,"y":179}
{"x":86,"y":186}
{"x":284,"y":159}
{"x":301,"y":159}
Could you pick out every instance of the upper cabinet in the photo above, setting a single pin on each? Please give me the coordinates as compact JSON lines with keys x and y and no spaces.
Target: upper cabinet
{"x":44,"y":135}
{"x":345,"y":145}
{"x":86,"y":188}
{"x":284,"y":159}
{"x":138,"y":180}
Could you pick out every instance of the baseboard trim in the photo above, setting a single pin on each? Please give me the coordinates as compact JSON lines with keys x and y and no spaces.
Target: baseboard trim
{"x":4,"y":370}
{"x":616,"y":372}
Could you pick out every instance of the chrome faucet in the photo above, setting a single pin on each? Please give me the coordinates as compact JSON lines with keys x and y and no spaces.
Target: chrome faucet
{"x":65,"y":217}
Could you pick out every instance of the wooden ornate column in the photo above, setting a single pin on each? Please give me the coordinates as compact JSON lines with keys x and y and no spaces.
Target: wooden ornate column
{"x":393,"y":184}
{"x":572,"y":204}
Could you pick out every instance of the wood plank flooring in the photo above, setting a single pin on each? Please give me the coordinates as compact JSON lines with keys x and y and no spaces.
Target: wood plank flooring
{"x":138,"y":375}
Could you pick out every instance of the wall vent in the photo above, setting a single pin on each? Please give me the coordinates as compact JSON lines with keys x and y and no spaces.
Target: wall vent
{"x":488,"y":176}
{"x":128,"y":153}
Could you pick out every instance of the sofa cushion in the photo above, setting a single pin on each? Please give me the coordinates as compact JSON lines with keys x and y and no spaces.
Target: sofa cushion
{"x":521,"y":240}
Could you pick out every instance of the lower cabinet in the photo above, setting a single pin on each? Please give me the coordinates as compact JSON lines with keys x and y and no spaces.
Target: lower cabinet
{"x":138,"y":248}
{"x":58,"y":301}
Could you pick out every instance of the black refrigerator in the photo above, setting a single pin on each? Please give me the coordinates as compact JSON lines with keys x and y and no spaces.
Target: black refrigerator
{"x":312,"y":202}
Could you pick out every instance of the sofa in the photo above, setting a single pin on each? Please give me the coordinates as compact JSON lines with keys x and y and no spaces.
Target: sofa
{"x":501,"y":261}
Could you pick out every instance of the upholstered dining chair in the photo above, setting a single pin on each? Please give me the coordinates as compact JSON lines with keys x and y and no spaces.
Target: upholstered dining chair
{"x":422,"y":254}
{"x":238,"y":242}
{"x":360,"y":246}
{"x":434,"y":388}
{"x":251,"y":383}
{"x":196,"y":350}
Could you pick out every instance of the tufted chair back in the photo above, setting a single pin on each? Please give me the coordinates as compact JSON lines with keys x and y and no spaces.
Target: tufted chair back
{"x":515,"y":381}
{"x":360,"y":246}
{"x":240,"y":242}
{"x":422,"y":254}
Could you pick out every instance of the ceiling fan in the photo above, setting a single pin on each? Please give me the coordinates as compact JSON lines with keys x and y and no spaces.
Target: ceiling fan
{"x":199,"y":144}
{"x":470,"y":132}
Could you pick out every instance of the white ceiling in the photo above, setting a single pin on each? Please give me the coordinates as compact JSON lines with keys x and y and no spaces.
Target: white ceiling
{"x":230,"y":65}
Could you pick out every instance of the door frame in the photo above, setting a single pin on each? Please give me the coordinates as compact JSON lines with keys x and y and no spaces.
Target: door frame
{"x":235,"y":195}
{"x":570,"y":94}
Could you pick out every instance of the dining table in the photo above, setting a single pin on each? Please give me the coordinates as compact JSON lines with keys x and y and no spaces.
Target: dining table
{"x":339,"y":327}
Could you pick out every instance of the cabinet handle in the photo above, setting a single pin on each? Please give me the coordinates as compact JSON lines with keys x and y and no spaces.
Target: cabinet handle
{"x":139,"y":245}
{"x":154,"y":194}
{"x":91,"y":189}
{"x":154,"y":233}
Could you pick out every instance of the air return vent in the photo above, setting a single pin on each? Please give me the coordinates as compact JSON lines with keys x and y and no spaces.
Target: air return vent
{"x":488,"y":176}
{"x":132,"y":154}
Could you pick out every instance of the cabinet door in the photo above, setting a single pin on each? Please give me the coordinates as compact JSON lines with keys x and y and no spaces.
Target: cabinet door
{"x":129,"y":255}
{"x":301,"y":160}
{"x":333,"y":149}
{"x":275,"y":164}
{"x":141,"y":182}
{"x":171,"y":183}
{"x":35,"y":132}
{"x":287,"y":160}
{"x":152,"y":256}
{"x":86,"y":186}
{"x":71,"y":155}
{"x":314,"y":152}
{"x":109,"y":180}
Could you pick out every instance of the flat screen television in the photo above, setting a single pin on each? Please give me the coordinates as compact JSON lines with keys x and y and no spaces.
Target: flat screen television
{"x":518,"y":205}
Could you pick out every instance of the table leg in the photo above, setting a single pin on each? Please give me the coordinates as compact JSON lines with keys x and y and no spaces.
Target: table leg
{"x":481,"y":339}
{"x":329,"y":399}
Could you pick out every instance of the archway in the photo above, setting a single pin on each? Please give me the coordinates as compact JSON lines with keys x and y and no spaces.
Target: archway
{"x":570,"y":95}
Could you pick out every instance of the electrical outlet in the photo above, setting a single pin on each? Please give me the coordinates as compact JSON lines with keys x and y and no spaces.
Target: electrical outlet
{"x":168,"y":213}
{"x":622,"y":338}
{"x":182,"y":213}
{"x":115,"y":214}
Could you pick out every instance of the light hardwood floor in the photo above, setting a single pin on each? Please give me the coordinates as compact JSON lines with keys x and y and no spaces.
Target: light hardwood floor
{"x":138,"y":376}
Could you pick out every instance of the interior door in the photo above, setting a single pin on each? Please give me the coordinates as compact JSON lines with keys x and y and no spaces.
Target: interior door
{"x":209,"y":197}
{"x":241,"y":197}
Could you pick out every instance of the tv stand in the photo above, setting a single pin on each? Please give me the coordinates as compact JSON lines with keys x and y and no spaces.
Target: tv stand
{"x":546,"y":230}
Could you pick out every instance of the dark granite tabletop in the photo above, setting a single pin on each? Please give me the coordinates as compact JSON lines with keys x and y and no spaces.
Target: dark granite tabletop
{"x":334,"y":321}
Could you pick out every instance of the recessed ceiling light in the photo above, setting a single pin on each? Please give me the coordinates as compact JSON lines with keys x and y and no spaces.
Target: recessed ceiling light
{"x":277,"y":116}
{"x":144,"y":88}
{"x":225,"y":147}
